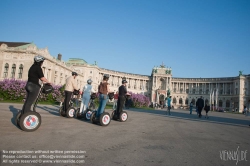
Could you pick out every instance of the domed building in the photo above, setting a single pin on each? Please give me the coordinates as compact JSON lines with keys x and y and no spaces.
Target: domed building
{"x":226,"y":93}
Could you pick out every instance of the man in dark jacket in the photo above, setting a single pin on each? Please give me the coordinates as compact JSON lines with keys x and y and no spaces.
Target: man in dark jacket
{"x":200,"y":105}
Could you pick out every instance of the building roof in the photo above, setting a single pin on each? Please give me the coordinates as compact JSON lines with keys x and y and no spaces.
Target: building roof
{"x":14,"y":44}
{"x":76,"y":61}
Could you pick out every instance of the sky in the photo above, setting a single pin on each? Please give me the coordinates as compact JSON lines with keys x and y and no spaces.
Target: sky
{"x":196,"y":38}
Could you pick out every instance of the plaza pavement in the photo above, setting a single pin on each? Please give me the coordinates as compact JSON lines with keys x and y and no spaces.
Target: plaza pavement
{"x":147,"y":138}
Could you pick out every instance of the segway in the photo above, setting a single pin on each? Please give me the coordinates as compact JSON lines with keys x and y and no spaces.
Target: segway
{"x":87,"y":113}
{"x":70,"y":112}
{"x":104,"y":118}
{"x":122,"y":117}
{"x":31,"y":120}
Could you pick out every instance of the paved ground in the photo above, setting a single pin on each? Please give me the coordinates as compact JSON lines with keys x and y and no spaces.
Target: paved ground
{"x":149,"y":137}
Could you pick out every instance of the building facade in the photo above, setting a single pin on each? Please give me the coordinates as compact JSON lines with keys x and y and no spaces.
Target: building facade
{"x":232,"y":92}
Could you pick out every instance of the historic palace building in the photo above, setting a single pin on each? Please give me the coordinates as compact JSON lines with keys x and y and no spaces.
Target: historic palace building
{"x":233,"y":92}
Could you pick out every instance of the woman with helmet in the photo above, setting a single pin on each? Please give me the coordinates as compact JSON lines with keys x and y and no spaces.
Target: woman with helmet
{"x":103,"y":90}
{"x":32,"y":87}
{"x":87,"y":89}
{"x":70,"y":86}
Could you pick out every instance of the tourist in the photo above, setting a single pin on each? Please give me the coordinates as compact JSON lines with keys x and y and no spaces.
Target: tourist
{"x":169,"y":104}
{"x":70,"y":86}
{"x":191,"y":107}
{"x":207,"y":108}
{"x":32,"y":87}
{"x":103,"y":90}
{"x":200,"y":105}
{"x":87,"y":89}
{"x":115,"y":100}
{"x":121,"y":98}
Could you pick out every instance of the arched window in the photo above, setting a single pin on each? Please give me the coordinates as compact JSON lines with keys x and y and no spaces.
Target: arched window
{"x":20,"y":73}
{"x":186,"y":101}
{"x":220,"y":103}
{"x":13,"y":71}
{"x":6,"y":69}
{"x":227,"y":103}
{"x":180,"y":101}
{"x":174,"y":100}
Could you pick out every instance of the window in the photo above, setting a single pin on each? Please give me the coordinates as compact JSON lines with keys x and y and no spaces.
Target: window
{"x":186,"y":101}
{"x":174,"y":100}
{"x":13,"y":71}
{"x":227,"y":103}
{"x":180,"y":101}
{"x":20,"y":73}
{"x":6,"y":69}
{"x":220,"y":103}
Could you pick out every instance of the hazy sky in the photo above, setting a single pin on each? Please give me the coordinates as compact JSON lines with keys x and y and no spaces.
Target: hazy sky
{"x":196,"y":38}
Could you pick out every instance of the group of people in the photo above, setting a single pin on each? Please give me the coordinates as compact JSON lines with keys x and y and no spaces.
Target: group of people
{"x":33,"y":86}
{"x":199,"y":107}
{"x":103,"y":90}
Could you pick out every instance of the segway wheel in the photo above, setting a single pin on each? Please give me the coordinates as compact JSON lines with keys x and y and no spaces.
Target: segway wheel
{"x":87,"y":114}
{"x":92,"y":118}
{"x":62,"y":112}
{"x":70,"y":112}
{"x":123,"y":116}
{"x":30,"y":121}
{"x":78,"y":114}
{"x":105,"y":119}
{"x":18,"y":118}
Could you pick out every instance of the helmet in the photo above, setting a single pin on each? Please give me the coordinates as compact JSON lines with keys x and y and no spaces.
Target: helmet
{"x":106,"y":76}
{"x":39,"y":58}
{"x":89,"y":81}
{"x":124,"y":81}
{"x":74,"y":73}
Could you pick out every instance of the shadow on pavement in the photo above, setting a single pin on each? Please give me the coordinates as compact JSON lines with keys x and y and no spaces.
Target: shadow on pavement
{"x":194,"y":117}
{"x":14,"y":112}
{"x":53,"y":111}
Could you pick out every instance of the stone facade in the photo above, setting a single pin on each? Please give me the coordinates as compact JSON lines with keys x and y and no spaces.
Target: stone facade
{"x":233,"y":92}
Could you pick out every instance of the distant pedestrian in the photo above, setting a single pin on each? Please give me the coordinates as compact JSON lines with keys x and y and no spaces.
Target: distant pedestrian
{"x":200,"y":105}
{"x":245,"y":111}
{"x":115,"y":100}
{"x":169,"y":105}
{"x":207,"y":108}
{"x":191,"y":107}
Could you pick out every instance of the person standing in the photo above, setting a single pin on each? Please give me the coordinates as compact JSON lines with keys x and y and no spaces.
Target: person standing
{"x":200,"y":105}
{"x":32,"y":87}
{"x":121,"y":98}
{"x":191,"y":107}
{"x":103,"y":90}
{"x":87,"y":90}
{"x":169,"y":104}
{"x":207,"y":109}
{"x":115,"y":100}
{"x":70,"y":86}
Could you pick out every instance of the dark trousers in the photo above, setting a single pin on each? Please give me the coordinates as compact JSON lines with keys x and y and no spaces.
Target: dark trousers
{"x":67,"y":98}
{"x":31,"y":95}
{"x":199,"y":111}
{"x":120,"y":104}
